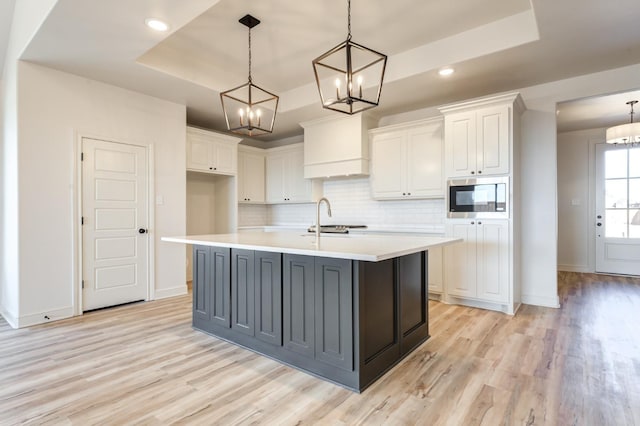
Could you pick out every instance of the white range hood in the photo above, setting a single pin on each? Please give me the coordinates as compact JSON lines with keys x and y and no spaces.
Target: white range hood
{"x":337,"y":146}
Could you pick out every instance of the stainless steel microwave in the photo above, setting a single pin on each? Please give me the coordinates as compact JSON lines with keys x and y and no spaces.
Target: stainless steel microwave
{"x":478,"y":197}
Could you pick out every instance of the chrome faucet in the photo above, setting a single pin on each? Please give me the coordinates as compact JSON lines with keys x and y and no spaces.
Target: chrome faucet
{"x":318,"y":215}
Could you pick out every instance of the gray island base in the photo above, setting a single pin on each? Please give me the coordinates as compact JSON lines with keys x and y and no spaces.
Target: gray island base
{"x":347,"y":321}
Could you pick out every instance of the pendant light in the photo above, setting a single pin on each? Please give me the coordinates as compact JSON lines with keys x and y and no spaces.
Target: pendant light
{"x":349,"y":76}
{"x":248,"y":109}
{"x":625,"y":133}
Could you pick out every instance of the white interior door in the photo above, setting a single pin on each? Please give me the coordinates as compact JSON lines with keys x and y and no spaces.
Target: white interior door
{"x":618,"y":209}
{"x":114,"y":213}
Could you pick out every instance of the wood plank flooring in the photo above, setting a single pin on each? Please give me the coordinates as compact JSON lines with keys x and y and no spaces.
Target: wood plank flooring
{"x":143,"y":364}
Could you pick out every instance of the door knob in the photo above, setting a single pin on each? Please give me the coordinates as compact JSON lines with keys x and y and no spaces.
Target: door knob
{"x":142,"y":231}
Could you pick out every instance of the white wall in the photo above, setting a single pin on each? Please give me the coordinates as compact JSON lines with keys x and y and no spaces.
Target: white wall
{"x":55,"y":108}
{"x":28,"y":15}
{"x":538,"y":209}
{"x":576,"y":180}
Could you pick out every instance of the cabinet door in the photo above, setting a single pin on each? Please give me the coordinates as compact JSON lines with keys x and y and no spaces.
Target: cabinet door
{"x":201,"y":285}
{"x":388,"y":177}
{"x":296,"y":187}
{"x":460,"y":144}
{"x":298,"y":304}
{"x":334,"y":312}
{"x":434,"y":268}
{"x":268,"y":297}
{"x":224,"y":157}
{"x":425,"y":159}
{"x":198,"y":153}
{"x":493,"y":141}
{"x":251,"y":178}
{"x":242,"y":291}
{"x":220,"y":286}
{"x":493,"y":260}
{"x":460,"y":259}
{"x":275,"y":178}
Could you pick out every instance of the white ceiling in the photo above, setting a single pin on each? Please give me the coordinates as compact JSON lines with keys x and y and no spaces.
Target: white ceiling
{"x":495,"y":45}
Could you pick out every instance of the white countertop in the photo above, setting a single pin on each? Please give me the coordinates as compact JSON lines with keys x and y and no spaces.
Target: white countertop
{"x":372,"y":248}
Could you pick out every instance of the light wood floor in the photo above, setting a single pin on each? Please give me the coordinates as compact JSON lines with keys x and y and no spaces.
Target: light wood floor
{"x":143,"y":364}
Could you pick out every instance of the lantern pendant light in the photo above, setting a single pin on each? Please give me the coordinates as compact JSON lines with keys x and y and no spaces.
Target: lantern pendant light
{"x":248,"y":109}
{"x":625,"y":133}
{"x":350,"y":76}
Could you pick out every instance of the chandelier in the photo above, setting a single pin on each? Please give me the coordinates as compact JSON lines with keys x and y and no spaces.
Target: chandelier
{"x":248,"y":109}
{"x":628,"y":133}
{"x":349,"y":76}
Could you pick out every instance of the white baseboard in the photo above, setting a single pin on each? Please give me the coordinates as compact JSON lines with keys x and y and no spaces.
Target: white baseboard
{"x":11,"y":320}
{"x":164,"y":293}
{"x":45,"y":316}
{"x":548,"y":302}
{"x":575,"y":268}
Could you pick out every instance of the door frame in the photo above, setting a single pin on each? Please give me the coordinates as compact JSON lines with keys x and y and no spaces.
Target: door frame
{"x":78,"y":249}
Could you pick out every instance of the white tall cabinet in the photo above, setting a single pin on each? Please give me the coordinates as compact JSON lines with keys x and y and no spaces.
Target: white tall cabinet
{"x":482,"y":138}
{"x":406,"y":160}
{"x":478,"y":142}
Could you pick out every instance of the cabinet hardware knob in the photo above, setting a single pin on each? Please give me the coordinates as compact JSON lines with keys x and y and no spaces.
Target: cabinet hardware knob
{"x":472,"y":172}
{"x":210,"y":168}
{"x":599,"y":224}
{"x":599,"y":216}
{"x":408,"y":193}
{"x":142,"y":231}
{"x":473,"y":223}
{"x":404,"y":193}
{"x":479,"y":172}
{"x":479,"y":223}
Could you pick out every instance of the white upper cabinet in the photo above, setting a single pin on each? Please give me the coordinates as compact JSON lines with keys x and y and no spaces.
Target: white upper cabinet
{"x":478,"y":142}
{"x":251,"y":175}
{"x":406,"y":160}
{"x":285,"y":177}
{"x":211,"y":152}
{"x":479,"y":136}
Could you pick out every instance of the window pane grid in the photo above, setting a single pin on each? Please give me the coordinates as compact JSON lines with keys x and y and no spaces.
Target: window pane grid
{"x":622,"y":193}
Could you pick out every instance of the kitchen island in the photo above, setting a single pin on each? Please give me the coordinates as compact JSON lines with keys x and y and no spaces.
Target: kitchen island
{"x":345,"y":308}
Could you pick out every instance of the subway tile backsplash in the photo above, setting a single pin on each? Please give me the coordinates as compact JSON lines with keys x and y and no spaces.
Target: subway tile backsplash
{"x":351,"y":204}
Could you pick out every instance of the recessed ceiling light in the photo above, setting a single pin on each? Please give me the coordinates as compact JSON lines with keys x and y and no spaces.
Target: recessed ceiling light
{"x":156,"y":24}
{"x":446,"y":71}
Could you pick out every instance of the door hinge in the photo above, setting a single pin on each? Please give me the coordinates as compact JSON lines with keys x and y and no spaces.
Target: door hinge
{"x":82,"y":156}
{"x":82,"y":220}
{"x":82,"y":283}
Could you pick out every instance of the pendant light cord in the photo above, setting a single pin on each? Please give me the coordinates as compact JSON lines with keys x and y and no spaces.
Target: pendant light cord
{"x":348,"y":19}
{"x":249,"y":55}
{"x":632,"y":103}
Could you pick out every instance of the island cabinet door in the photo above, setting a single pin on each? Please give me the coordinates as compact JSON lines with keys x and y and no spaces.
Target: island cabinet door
{"x":201,"y":288}
{"x":242,"y":291}
{"x":268,"y":297}
{"x":298,"y":304}
{"x":218,"y":281}
{"x":334,"y":312}
{"x":414,"y":325}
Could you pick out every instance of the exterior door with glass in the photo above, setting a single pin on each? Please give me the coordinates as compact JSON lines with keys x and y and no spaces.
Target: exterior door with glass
{"x":618,"y":209}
